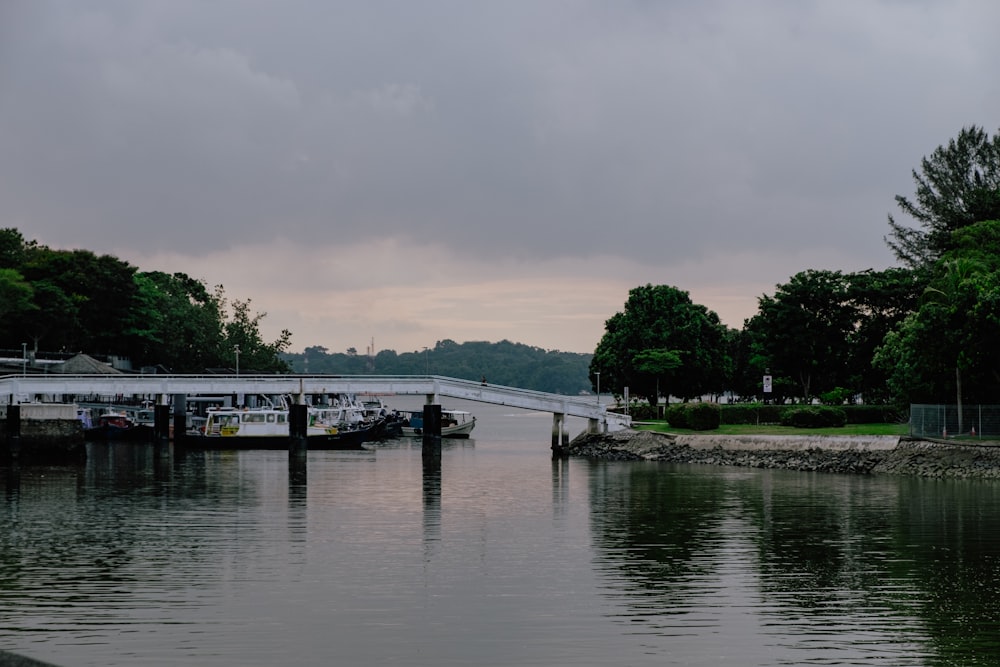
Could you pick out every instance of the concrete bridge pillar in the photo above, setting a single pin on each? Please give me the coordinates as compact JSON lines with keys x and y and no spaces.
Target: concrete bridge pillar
{"x":298,"y":426}
{"x":180,"y":417}
{"x":14,"y":431}
{"x":431,"y":440}
{"x":161,"y":426}
{"x":559,"y":435}
{"x":596,"y":426}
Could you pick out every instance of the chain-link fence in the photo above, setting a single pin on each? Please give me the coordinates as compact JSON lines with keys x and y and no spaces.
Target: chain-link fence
{"x":945,"y":421}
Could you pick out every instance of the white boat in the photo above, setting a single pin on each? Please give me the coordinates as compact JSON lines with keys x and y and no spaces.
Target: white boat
{"x":454,"y":423}
{"x":265,"y":428}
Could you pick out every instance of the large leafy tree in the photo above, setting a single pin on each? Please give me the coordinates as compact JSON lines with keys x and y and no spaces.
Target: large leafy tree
{"x":946,"y":350}
{"x":13,"y":248}
{"x":15,"y":295}
{"x":77,"y":301}
{"x":662,"y":343}
{"x":881,"y":300}
{"x":958,"y":185}
{"x":820,"y":330}
{"x":83,"y":300}
{"x":804,"y":330}
{"x":176,"y":323}
{"x":242,"y":343}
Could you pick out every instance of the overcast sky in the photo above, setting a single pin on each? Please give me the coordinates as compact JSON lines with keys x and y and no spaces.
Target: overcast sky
{"x":413,"y":171}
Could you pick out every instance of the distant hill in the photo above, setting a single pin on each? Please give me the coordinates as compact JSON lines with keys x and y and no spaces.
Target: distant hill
{"x":505,"y":363}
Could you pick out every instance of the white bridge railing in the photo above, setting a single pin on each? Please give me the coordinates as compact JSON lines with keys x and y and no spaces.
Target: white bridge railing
{"x":57,"y":387}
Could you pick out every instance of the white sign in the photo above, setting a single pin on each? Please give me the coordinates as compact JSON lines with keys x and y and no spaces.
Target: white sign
{"x":767,"y":384}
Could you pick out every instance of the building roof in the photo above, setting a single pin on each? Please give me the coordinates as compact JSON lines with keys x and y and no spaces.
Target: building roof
{"x":83,"y":363}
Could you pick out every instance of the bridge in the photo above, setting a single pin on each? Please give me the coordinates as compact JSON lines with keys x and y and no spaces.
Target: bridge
{"x":55,"y":387}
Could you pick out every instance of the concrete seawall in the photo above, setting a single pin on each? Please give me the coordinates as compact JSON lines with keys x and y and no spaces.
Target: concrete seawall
{"x":43,"y":442}
{"x":816,"y":453}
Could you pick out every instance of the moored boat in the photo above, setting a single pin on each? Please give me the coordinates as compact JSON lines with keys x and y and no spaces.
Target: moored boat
{"x":454,"y":423}
{"x":389,"y":422}
{"x":268,"y":428}
{"x":117,"y":426}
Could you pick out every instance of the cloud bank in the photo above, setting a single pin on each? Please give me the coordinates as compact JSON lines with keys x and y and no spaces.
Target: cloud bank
{"x":410,"y":172}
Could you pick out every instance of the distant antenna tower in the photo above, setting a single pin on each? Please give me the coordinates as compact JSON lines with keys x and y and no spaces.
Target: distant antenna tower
{"x":371,"y":356}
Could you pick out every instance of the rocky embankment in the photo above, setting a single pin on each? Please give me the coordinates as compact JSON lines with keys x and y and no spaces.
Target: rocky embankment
{"x":837,"y":454}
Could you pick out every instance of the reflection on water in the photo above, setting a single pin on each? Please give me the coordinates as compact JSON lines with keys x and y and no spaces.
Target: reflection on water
{"x":489,"y":552}
{"x":829,"y":569}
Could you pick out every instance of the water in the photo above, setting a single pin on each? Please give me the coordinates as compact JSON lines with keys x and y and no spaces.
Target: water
{"x":498,"y":556}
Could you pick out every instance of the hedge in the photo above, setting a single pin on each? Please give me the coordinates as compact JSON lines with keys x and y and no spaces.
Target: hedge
{"x":697,"y":416}
{"x":676,"y":414}
{"x":813,"y":416}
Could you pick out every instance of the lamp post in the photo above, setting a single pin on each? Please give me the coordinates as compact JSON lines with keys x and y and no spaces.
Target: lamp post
{"x":236,"y":349}
{"x":598,"y":374}
{"x":427,"y":362}
{"x":24,"y":359}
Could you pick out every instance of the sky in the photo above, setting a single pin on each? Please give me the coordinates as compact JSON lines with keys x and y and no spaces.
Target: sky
{"x":388,"y":174}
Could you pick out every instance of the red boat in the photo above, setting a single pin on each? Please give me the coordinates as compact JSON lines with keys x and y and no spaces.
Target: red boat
{"x":117,"y":426}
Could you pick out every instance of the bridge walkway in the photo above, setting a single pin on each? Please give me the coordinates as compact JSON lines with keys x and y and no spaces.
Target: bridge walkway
{"x":56,"y":387}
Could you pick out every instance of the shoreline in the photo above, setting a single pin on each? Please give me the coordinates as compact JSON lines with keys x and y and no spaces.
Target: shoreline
{"x":895,"y":455}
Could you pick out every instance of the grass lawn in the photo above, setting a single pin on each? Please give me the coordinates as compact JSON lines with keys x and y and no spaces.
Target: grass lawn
{"x":776,"y":429}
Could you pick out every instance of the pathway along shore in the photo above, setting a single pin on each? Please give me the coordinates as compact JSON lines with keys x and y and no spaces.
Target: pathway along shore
{"x":812,"y":453}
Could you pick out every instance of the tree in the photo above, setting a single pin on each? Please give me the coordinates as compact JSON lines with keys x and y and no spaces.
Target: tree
{"x":242,"y":337}
{"x":87,"y":299}
{"x":662,"y":343}
{"x":881,"y":300}
{"x":803,"y":330}
{"x":950,"y":292}
{"x":948,"y":346}
{"x":959,"y":185}
{"x":15,"y":294}
{"x":13,"y":248}
{"x":175,"y":322}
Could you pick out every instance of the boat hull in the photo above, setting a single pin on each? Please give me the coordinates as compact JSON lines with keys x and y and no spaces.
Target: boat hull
{"x":106,"y":432}
{"x":341,"y":440}
{"x":457,"y":431}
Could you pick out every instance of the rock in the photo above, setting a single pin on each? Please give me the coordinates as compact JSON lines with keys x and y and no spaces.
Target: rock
{"x":835,"y":454}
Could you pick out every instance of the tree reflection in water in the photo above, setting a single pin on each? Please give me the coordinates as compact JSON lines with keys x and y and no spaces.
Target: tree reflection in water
{"x":863,"y":566}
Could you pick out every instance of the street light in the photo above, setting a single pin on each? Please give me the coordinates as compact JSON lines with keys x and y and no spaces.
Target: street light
{"x":598,"y":374}
{"x":24,"y":359}
{"x":236,"y":349}
{"x":427,"y":362}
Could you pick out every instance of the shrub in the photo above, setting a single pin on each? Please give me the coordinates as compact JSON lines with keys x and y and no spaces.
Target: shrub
{"x":677,"y":415}
{"x":703,"y":416}
{"x":813,"y":416}
{"x":699,"y":416}
{"x":642,"y":411}
{"x":751,"y":413}
{"x":876,"y":414}
{"x":836,"y":396}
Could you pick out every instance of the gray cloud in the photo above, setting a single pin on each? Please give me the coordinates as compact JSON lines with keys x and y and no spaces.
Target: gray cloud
{"x":658,"y":132}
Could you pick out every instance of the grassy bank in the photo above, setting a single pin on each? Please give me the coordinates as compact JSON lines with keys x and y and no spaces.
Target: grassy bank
{"x":777,"y":429}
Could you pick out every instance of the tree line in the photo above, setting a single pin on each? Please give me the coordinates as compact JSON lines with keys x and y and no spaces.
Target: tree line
{"x":76,"y":301}
{"x":504,"y":363}
{"x":69,"y":301}
{"x":922,"y":332}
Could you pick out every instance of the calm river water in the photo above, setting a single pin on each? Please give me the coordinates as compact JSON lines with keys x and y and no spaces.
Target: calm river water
{"x":498,"y":556}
